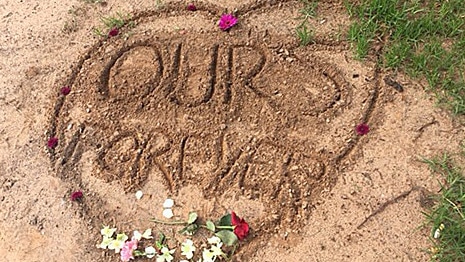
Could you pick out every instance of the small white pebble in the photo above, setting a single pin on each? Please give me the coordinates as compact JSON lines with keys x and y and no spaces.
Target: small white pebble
{"x":168,"y":213}
{"x":139,"y":194}
{"x":169,"y":203}
{"x":437,"y":233}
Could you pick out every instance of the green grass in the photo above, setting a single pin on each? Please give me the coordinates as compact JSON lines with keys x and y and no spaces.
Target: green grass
{"x":447,"y":217}
{"x":303,"y":31}
{"x":425,"y":38}
{"x":308,"y":10}
{"x":119,"y":20}
{"x":304,"y":34}
{"x":159,"y":4}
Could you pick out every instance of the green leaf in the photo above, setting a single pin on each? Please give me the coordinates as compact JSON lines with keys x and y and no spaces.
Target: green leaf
{"x":227,"y":237}
{"x":210,"y":226}
{"x":190,"y":229}
{"x":225,"y":220}
{"x":160,"y":241}
{"x":192,"y":218}
{"x":138,"y":253}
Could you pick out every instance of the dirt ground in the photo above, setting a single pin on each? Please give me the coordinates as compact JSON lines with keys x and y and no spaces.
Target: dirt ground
{"x":244,"y":120}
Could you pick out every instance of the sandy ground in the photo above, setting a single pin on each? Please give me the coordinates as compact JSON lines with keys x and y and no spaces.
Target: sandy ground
{"x":345,"y":218}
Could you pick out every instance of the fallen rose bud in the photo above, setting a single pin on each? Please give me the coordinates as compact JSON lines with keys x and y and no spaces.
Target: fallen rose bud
{"x":241,"y":228}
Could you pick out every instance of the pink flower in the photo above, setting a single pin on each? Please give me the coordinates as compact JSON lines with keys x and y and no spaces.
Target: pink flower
{"x":52,"y":142}
{"x":227,"y":21}
{"x":191,"y":7}
{"x":65,"y":90}
{"x":113,"y":32}
{"x":362,"y":129}
{"x":75,"y":196}
{"x":128,"y":250}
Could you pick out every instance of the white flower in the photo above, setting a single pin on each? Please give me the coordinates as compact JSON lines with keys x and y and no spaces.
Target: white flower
{"x":166,"y":255}
{"x":187,"y":248}
{"x":118,"y":243}
{"x":105,"y":242}
{"x":168,"y":213}
{"x":214,"y":240}
{"x":106,"y":231}
{"x":207,"y":256}
{"x":169,"y":203}
{"x":139,"y":194}
{"x":216,"y":250}
{"x":150,"y":252}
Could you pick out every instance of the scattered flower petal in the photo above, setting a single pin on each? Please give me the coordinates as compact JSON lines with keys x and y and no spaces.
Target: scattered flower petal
{"x":227,"y":21}
{"x":139,"y":194}
{"x":188,"y":248}
{"x":113,"y":32}
{"x":75,"y":196}
{"x":191,"y":7}
{"x":437,"y":232}
{"x":168,"y":213}
{"x":169,"y":203}
{"x":136,"y":235}
{"x":52,"y":142}
{"x":150,"y":252}
{"x":127,"y":251}
{"x":147,"y":234}
{"x":362,"y":129}
{"x":65,"y":90}
{"x":241,"y":228}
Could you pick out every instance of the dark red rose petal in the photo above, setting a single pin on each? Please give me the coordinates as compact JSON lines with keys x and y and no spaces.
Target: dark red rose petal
{"x":362,"y":129}
{"x":76,"y":196}
{"x":52,"y":142}
{"x":113,"y":32}
{"x":191,"y":7}
{"x":65,"y":90}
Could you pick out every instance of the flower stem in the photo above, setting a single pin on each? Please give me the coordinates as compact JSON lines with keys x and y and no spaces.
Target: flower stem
{"x":225,"y":227}
{"x":168,"y":222}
